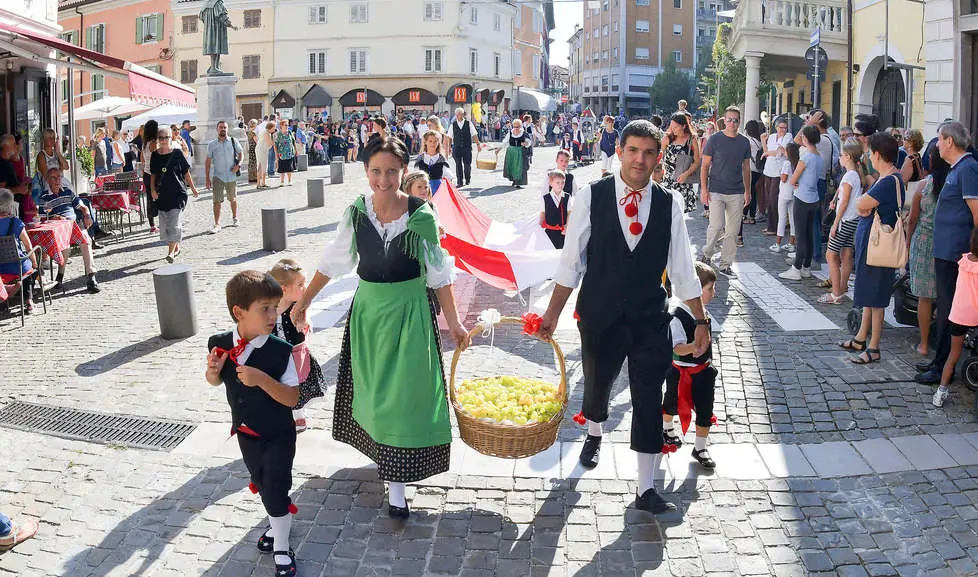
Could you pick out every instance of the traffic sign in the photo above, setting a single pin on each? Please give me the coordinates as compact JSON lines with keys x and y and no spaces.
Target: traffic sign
{"x":816,"y":37}
{"x":810,"y":74}
{"x":823,"y":57}
{"x":563,"y":99}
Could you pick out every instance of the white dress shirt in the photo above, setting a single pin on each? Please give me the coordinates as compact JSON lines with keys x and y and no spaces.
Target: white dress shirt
{"x":291,"y":376}
{"x":557,"y":198}
{"x":679,"y":265}
{"x":461,"y":126}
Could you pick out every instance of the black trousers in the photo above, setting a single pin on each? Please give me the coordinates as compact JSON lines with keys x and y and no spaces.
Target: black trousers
{"x":556,"y":237}
{"x":946,"y":273}
{"x":463,"y":165}
{"x":804,"y":222}
{"x":702,"y":393}
{"x":645,"y":344}
{"x":269,"y":462}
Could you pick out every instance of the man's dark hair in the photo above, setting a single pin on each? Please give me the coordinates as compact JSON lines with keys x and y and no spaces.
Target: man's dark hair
{"x":641,"y":129}
{"x":184,"y":123}
{"x":383,"y":143}
{"x":886,"y":146}
{"x":656,"y":120}
{"x":811,"y":134}
{"x":249,"y":286}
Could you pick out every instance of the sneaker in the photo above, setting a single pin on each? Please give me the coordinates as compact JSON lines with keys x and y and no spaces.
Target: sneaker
{"x":169,"y":258}
{"x":791,"y":274}
{"x":792,"y":254}
{"x":806,"y":272}
{"x":727,"y":272}
{"x":154,"y":229}
{"x":591,"y":451}
{"x":215,"y":230}
{"x":774,"y":247}
{"x":234,"y":222}
{"x":740,"y":241}
{"x":788,"y":247}
{"x":941,"y":395}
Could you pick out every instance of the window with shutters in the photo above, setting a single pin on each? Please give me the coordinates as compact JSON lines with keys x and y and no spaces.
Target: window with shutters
{"x":154,"y":68}
{"x":251,"y":66}
{"x":536,"y":67}
{"x":616,"y":26}
{"x":358,"y":61}
{"x":537,"y":22}
{"x":188,"y":71}
{"x":497,"y":22}
{"x":252,"y":18}
{"x":677,"y":55}
{"x":358,"y":13}
{"x":641,"y":2}
{"x":432,"y":11}
{"x":95,"y":38}
{"x":317,"y":14}
{"x":432,"y":59}
{"x":474,"y":15}
{"x":677,"y":4}
{"x":605,"y":30}
{"x":497,"y":64}
{"x":518,"y":62}
{"x":70,"y":36}
{"x":473,"y":61}
{"x":98,"y":87}
{"x":149,"y":28}
{"x":641,"y":25}
{"x":677,"y":29}
{"x":188,"y":24}
{"x":641,"y":53}
{"x":317,"y":62}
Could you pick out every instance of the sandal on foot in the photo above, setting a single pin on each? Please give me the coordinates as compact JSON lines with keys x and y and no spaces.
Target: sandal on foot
{"x":266,"y":544}
{"x":20,"y":531}
{"x":853,"y":345}
{"x":287,"y":570}
{"x":866,"y":357}
{"x":916,"y":349}
{"x":831,"y":299}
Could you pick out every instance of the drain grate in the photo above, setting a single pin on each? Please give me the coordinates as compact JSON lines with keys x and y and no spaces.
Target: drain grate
{"x":96,"y":427}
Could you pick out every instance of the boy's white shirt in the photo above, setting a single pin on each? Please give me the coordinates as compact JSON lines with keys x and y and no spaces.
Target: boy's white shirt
{"x":291,"y":376}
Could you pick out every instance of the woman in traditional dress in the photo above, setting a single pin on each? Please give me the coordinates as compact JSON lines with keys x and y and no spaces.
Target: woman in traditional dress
{"x":518,"y":143}
{"x":262,"y":147}
{"x":391,"y":402}
{"x":252,"y":146}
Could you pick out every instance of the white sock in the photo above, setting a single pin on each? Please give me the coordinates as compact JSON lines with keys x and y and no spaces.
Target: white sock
{"x":593,"y":429}
{"x":298,"y":414}
{"x":667,"y":424}
{"x":700,"y":443}
{"x":279,"y":531}
{"x":397,"y":495}
{"x":648,"y":463}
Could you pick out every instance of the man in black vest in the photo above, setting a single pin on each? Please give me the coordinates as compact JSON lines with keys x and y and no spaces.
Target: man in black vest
{"x":623,"y":233}
{"x":463,"y":135}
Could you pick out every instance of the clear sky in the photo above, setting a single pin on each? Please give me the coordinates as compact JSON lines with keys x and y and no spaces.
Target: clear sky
{"x":566,"y":14}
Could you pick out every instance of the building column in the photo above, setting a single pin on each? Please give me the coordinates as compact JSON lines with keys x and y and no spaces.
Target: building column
{"x":752,"y":104}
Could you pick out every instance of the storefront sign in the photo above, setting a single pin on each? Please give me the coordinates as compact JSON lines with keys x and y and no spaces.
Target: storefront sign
{"x":461,"y":94}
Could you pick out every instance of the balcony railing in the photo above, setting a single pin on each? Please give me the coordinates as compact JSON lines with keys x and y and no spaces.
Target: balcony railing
{"x":783,"y":26}
{"x":804,"y":15}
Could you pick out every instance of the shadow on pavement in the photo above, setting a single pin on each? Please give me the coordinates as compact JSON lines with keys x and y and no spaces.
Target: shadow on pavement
{"x":127,"y":354}
{"x":243,"y":258}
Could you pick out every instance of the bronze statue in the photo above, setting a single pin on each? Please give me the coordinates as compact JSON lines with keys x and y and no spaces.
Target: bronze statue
{"x":216,"y":23}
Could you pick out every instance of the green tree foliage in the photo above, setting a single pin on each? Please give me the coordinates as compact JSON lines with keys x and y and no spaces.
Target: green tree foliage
{"x":670,"y":86}
{"x":732,"y":74}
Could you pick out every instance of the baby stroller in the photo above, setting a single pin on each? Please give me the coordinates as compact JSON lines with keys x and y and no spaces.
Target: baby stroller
{"x":904,"y":306}
{"x":969,"y":367}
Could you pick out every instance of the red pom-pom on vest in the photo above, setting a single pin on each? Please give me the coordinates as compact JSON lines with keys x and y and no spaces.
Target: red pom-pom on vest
{"x":635,"y":228}
{"x":713,"y":420}
{"x":293,"y":509}
{"x":631,"y":210}
{"x":253,"y":488}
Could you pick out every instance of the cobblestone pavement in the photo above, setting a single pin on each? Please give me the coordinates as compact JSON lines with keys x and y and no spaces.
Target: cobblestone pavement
{"x":115,"y":511}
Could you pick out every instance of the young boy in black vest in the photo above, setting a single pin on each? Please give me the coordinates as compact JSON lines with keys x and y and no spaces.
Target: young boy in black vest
{"x":691,"y":379}
{"x":261,"y":381}
{"x":556,"y":208}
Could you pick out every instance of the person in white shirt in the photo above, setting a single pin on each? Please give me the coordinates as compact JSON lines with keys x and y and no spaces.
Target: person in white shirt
{"x":842,"y":236}
{"x":775,"y":153}
{"x":625,"y":231}
{"x":464,"y":137}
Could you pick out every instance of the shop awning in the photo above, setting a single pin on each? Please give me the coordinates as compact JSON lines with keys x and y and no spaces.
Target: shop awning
{"x":497,"y":97}
{"x":361,"y":97}
{"x":283,"y":100}
{"x":145,"y":85}
{"x":414,"y":97}
{"x":317,"y":97}
{"x":459,"y":94}
{"x":533,"y":100}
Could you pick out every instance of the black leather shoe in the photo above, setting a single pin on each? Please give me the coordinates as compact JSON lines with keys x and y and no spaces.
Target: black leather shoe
{"x":96,"y":245}
{"x":931,"y":377}
{"x":395,"y":512}
{"x":591,"y":452}
{"x":266,"y":544}
{"x":703,"y":458}
{"x":100,"y":234}
{"x":923,"y":366}
{"x":287,"y":570}
{"x":671,"y":439}
{"x":92,"y":285}
{"x":653,"y":503}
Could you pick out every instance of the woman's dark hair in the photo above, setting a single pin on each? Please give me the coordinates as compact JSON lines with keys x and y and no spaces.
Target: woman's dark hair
{"x":867,"y":124}
{"x":811,"y":134}
{"x":793,"y":152}
{"x":886,"y":146}
{"x":753,"y":129}
{"x":938,"y":170}
{"x":382,"y":143}
{"x":150,"y":131}
{"x":381,"y":122}
{"x":682,"y":120}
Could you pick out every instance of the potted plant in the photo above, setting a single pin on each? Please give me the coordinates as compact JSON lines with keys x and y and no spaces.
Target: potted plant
{"x":87,"y":164}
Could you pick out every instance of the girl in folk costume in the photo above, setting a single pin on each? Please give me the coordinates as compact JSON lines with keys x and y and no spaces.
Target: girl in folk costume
{"x":415,"y":184}
{"x":565,"y":141}
{"x":556,"y":208}
{"x":391,"y":401}
{"x":607,"y":144}
{"x":517,"y":145}
{"x":431,"y":160}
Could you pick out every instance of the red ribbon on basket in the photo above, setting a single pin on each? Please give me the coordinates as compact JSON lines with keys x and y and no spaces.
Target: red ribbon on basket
{"x":531,"y":323}
{"x":580,"y":419}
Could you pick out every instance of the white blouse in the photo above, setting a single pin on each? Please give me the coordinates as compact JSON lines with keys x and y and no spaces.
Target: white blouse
{"x":340,"y":257}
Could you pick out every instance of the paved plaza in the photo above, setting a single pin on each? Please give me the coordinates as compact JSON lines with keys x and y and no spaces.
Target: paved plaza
{"x":824,"y":467}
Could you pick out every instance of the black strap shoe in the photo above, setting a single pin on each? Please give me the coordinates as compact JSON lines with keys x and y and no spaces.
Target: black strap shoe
{"x":703,"y":458}
{"x":591,"y":451}
{"x":266,"y":544}
{"x":674,"y":440}
{"x":924,"y":366}
{"x":92,"y":285}
{"x":287,"y":570}
{"x":395,"y":512}
{"x":653,"y":503}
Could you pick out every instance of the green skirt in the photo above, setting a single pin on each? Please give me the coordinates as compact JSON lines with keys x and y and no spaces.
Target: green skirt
{"x":514,"y":167}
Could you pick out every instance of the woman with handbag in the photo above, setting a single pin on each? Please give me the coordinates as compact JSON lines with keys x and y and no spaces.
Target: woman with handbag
{"x":881,"y":248}
{"x":680,"y":159}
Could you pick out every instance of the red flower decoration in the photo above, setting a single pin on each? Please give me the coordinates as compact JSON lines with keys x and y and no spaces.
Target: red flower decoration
{"x":713,"y":420}
{"x":631,"y":211}
{"x":666,"y":449}
{"x":579,"y":418}
{"x":635,"y":228}
{"x":293,"y":509}
{"x":253,"y":488}
{"x":531,"y":323}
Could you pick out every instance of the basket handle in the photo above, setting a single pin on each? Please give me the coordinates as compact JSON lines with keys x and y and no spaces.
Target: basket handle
{"x":478,"y":328}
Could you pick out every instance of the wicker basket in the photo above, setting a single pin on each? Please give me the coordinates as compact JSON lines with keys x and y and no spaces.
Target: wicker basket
{"x":485,"y":164}
{"x":509,"y":441}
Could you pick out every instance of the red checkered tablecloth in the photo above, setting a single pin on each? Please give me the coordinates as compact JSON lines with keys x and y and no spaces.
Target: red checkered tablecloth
{"x":54,"y":236}
{"x":111,"y":201}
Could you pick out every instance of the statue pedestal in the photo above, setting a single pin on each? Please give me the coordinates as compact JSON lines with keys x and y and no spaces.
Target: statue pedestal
{"x":216,"y":101}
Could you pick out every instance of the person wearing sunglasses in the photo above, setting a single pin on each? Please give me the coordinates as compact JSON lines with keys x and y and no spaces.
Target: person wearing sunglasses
{"x":725,"y":186}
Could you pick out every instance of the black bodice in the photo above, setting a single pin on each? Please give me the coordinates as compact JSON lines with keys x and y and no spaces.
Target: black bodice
{"x":385,"y":265}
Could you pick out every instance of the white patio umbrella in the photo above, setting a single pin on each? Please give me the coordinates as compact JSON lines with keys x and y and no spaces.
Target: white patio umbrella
{"x":108,"y":106}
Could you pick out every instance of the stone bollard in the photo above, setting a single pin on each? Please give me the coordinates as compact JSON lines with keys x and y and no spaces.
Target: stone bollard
{"x":302,"y":163}
{"x":274,"y":235}
{"x":175,"y":306}
{"x":336,"y":172}
{"x":314,"y":193}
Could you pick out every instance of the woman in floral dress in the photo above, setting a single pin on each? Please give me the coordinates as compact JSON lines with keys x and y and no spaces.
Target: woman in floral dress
{"x":923,"y":279}
{"x":252,"y":142}
{"x":678,"y":143}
